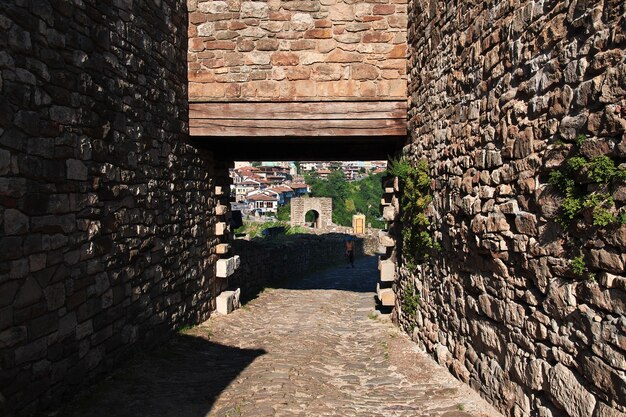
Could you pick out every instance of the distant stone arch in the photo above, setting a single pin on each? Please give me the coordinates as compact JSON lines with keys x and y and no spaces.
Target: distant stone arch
{"x":323,"y":206}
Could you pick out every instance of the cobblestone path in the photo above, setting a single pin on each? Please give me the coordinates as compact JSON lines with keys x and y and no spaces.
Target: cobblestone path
{"x":310,"y":348}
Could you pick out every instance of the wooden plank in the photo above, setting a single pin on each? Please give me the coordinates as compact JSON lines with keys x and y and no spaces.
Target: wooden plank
{"x":250,"y":127}
{"x":293,"y":110}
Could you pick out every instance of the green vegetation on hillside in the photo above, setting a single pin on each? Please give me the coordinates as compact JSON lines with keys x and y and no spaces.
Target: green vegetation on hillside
{"x":357,"y":197}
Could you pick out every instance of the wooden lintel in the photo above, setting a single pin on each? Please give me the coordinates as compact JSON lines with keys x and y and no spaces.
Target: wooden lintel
{"x":295,"y":119}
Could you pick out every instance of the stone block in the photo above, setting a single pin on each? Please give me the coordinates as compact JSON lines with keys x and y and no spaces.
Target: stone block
{"x":219,"y":190}
{"x":569,"y":393}
{"x":386,"y":240}
{"x":220,"y":228}
{"x":228,"y":301}
{"x":220,"y":209}
{"x":15,"y":222}
{"x":387,"y":271}
{"x":387,"y":297}
{"x":226,"y":267}
{"x":222,"y":248}
{"x":390,"y":213}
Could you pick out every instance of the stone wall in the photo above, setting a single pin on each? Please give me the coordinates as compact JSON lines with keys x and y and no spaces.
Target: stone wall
{"x":105,"y":209}
{"x":323,"y":206}
{"x":266,"y":262}
{"x":297,"y":50}
{"x":499,"y":93}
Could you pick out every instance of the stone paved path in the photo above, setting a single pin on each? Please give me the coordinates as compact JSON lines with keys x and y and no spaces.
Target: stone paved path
{"x":311,"y":348}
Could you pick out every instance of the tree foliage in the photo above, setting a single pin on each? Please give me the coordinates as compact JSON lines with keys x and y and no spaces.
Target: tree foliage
{"x":362,"y":196}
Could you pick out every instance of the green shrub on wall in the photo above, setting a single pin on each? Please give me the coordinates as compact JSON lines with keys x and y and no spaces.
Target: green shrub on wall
{"x":586,"y":185}
{"x":417,"y":240}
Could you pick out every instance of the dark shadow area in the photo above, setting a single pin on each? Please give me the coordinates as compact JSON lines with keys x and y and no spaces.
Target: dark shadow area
{"x":289,"y":148}
{"x":181,"y":379}
{"x":301,"y":261}
{"x":361,"y":278}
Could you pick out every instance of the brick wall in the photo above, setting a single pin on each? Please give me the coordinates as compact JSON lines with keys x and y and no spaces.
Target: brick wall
{"x":499,"y":92}
{"x":297,"y":50}
{"x":105,"y":209}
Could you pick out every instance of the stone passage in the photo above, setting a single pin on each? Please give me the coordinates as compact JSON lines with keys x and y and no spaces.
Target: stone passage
{"x":307,"y":349}
{"x":321,"y":206}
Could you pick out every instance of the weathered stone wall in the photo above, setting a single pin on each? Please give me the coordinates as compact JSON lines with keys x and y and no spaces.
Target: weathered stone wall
{"x":300,"y":206}
{"x":499,"y":91}
{"x":270,"y":262}
{"x":105,"y":209}
{"x":297,"y":50}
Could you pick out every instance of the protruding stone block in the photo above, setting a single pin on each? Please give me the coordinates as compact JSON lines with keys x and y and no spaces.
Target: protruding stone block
{"x":221,"y":209}
{"x":387,"y":271}
{"x":220,"y":228}
{"x":226,"y":267}
{"x":228,"y":301}
{"x":389,"y":190}
{"x":222,"y":248}
{"x":386,"y":240}
{"x":219,"y":190}
{"x":390,"y":213}
{"x":387,"y":297}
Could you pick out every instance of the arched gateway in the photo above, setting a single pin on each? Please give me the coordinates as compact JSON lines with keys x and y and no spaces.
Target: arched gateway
{"x":323,"y":206}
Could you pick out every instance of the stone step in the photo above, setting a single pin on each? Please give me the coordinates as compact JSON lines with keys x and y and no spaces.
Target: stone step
{"x":228,"y":301}
{"x":226,"y":267}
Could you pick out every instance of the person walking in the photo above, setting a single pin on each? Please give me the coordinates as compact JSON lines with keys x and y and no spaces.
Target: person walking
{"x":350,"y":250}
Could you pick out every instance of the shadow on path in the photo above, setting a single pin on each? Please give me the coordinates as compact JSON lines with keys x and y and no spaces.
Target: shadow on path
{"x":361,"y":278}
{"x":181,"y":379}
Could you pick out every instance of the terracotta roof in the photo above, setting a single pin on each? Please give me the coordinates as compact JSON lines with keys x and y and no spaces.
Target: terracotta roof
{"x":280,"y":189}
{"x":261,"y":197}
{"x":297,"y":185}
{"x":248,"y":182}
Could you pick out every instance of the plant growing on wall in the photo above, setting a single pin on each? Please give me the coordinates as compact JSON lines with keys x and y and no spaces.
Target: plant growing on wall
{"x":586,"y":185}
{"x":417,"y":240}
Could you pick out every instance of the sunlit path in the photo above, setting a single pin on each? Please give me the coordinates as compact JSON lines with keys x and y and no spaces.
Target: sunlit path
{"x":311,"y":348}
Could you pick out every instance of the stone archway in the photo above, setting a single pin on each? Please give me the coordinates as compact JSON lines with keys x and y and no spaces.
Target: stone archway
{"x":322,"y":205}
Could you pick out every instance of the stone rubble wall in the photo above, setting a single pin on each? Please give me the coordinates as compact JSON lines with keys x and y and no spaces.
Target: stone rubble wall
{"x":494,"y":88}
{"x":105,"y":208}
{"x":297,"y":50}
{"x":266,"y":262}
{"x":300,"y":206}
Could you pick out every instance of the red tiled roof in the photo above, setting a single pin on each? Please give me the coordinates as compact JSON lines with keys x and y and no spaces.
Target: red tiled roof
{"x":297,"y":185}
{"x":261,"y":197}
{"x":280,"y":189}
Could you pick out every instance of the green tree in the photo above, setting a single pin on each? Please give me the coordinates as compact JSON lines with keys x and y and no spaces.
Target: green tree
{"x":361,"y":196}
{"x":284,"y":213}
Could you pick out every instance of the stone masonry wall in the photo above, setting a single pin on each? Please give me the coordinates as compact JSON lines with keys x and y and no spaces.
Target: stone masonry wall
{"x":105,"y":209}
{"x":269,"y":262}
{"x":499,"y":92}
{"x":311,"y":50}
